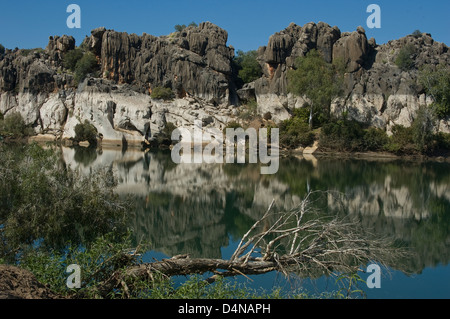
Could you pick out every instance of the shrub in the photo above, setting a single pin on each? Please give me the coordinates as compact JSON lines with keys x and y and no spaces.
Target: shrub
{"x":14,"y":125}
{"x":44,"y":204}
{"x":2,"y":49}
{"x":406,"y":57}
{"x":248,"y":111}
{"x":302,"y":113}
{"x":442,"y":141}
{"x":417,"y":34}
{"x":375,"y":139}
{"x":401,"y":141}
{"x":181,"y":27}
{"x":87,"y":64}
{"x":162,"y":93}
{"x":71,"y":58}
{"x":436,"y":81}
{"x":86,"y":132}
{"x":295,"y":132}
{"x":343,"y":135}
{"x":248,"y":66}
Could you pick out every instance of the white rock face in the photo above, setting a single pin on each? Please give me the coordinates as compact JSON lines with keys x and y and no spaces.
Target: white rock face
{"x":53,"y":114}
{"x":121,"y":115}
{"x":399,"y":109}
{"x":116,"y":116}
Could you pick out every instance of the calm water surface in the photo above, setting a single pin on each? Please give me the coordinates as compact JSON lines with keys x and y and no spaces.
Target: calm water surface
{"x":204,"y":209}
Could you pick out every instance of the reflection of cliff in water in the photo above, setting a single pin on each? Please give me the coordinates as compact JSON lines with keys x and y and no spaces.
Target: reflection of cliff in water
{"x":196,"y":208}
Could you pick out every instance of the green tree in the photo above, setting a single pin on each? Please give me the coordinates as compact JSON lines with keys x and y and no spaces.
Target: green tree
{"x":71,"y":58}
{"x":406,"y":57}
{"x":417,"y":33}
{"x":422,"y":129}
{"x":86,"y":132}
{"x":14,"y":125}
{"x":248,"y":66}
{"x":318,"y":81}
{"x":87,"y":64}
{"x":45,"y":204}
{"x":2,"y":49}
{"x":436,"y":81}
{"x":179,"y":27}
{"x":162,"y":93}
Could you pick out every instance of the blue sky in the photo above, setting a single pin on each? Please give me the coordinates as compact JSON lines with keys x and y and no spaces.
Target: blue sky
{"x":29,"y":23}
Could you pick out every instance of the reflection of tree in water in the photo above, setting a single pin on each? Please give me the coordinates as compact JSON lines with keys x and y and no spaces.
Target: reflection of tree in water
{"x":85,"y":155}
{"x":408,"y":201}
{"x":174,"y":225}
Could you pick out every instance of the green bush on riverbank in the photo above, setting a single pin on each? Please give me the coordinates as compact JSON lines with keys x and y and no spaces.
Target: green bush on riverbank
{"x":13,"y":125}
{"x":351,"y":136}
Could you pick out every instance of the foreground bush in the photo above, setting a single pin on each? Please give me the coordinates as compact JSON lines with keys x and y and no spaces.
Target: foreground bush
{"x":13,"y":125}
{"x":45,"y":204}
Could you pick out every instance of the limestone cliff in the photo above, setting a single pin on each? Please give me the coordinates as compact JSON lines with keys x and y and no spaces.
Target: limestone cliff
{"x":377,"y":91}
{"x":197,"y":64}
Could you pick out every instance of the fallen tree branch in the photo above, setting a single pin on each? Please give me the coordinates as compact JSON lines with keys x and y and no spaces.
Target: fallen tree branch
{"x":298,"y":241}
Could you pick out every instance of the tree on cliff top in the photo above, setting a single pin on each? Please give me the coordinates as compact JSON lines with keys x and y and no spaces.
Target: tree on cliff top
{"x":317,"y":80}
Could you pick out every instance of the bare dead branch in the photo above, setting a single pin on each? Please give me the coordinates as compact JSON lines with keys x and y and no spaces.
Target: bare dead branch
{"x":299,"y":241}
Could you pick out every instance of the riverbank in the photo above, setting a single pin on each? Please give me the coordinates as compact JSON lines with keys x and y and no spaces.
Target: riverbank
{"x":316,"y":151}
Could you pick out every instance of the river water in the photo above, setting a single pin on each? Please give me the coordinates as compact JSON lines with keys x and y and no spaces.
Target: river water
{"x":204,"y":209}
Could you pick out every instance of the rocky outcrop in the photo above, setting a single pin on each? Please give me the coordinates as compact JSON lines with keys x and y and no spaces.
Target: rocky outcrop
{"x":376,"y":90}
{"x":193,"y":62}
{"x":197,"y":64}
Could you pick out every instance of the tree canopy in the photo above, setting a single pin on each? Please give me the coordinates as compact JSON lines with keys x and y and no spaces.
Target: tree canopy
{"x":317,"y":80}
{"x":248,"y":66}
{"x":436,"y":81}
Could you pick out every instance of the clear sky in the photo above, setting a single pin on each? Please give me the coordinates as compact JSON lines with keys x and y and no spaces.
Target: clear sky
{"x":29,"y":23}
